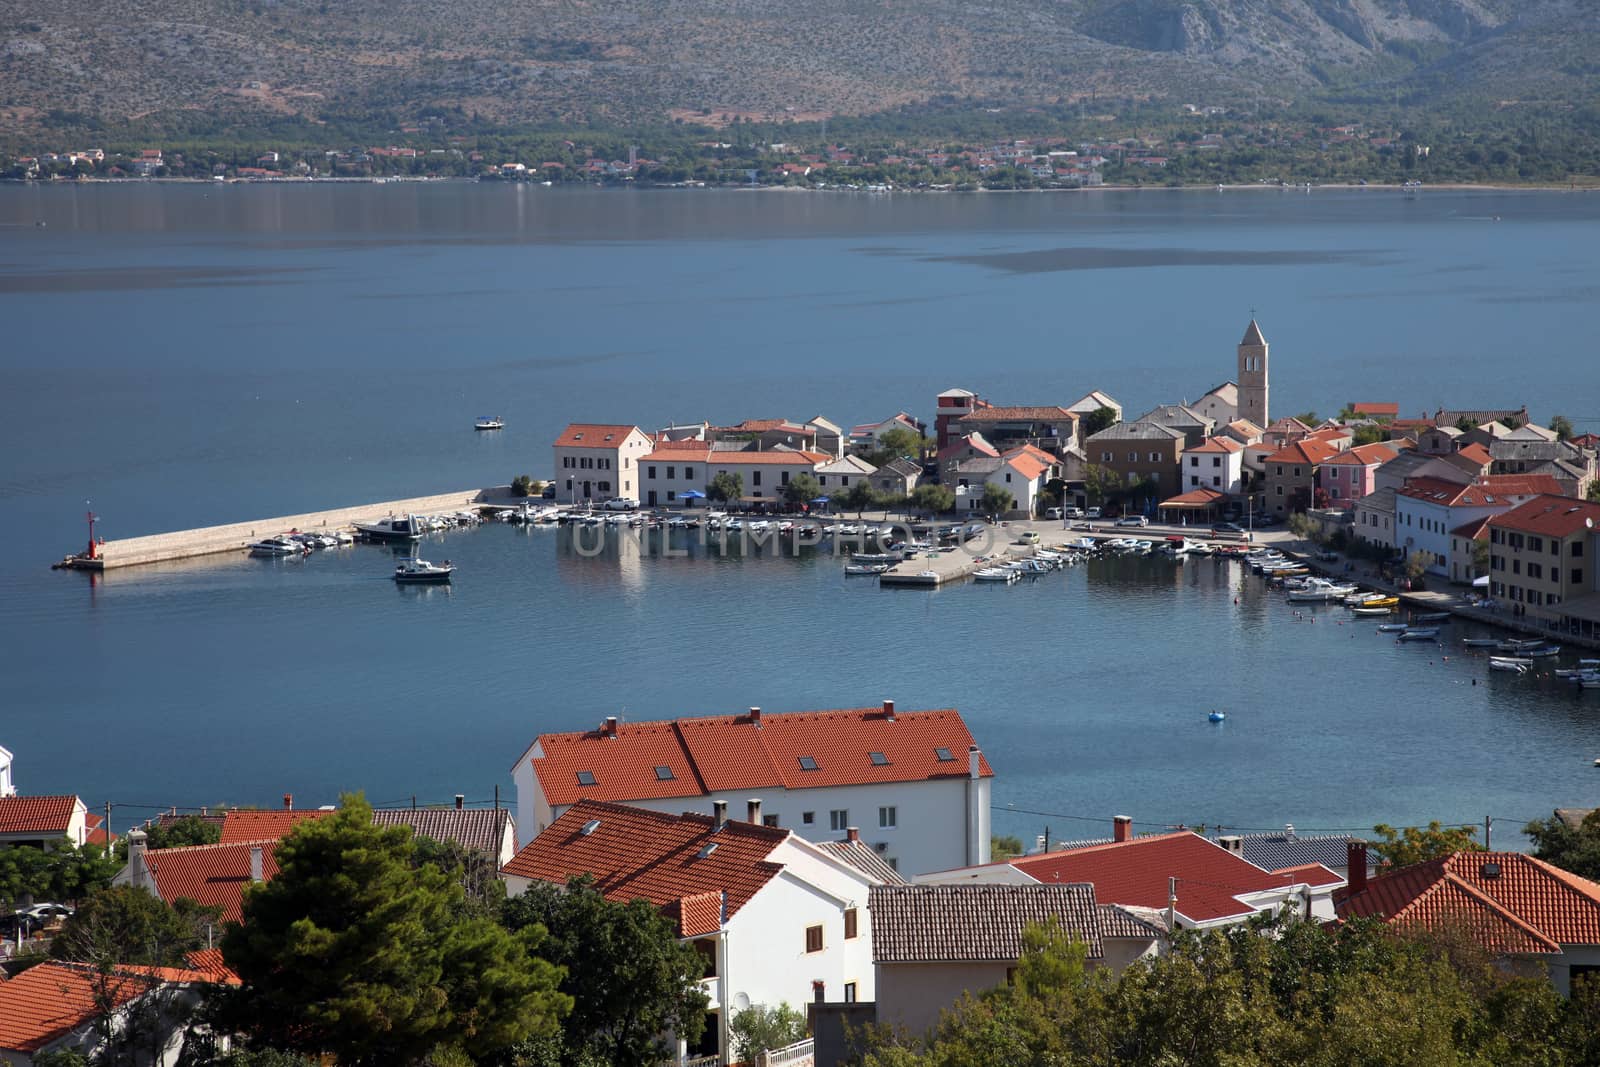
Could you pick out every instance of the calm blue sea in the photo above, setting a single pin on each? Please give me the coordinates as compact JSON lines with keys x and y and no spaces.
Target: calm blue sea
{"x":183,"y":355}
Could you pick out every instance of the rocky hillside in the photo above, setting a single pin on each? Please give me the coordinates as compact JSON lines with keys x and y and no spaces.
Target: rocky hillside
{"x":638,"y":60}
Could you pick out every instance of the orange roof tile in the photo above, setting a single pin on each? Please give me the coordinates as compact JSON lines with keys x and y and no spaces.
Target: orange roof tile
{"x":1477,"y":453}
{"x":242,"y":825}
{"x":1391,"y":410}
{"x":1549,"y":515}
{"x":797,"y":457}
{"x":1494,"y":489}
{"x":1365,"y":455}
{"x":36,"y":815}
{"x":727,"y":752}
{"x":1049,"y":412}
{"x":213,"y":875}
{"x":1515,"y":903}
{"x":593,"y":435}
{"x":1029,"y":466}
{"x":1135,"y":872}
{"x":209,"y":961}
{"x":1203,"y":497}
{"x":1308,"y":450}
{"x":636,"y":854}
{"x":48,"y":1001}
{"x":1224,"y":445}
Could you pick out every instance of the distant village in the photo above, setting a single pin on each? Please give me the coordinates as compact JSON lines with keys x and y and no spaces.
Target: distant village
{"x":1052,"y":162}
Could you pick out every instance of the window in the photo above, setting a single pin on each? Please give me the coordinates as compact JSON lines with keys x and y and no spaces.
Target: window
{"x":664,"y":773}
{"x":849,"y":923}
{"x":1008,"y":476}
{"x":844,"y":479}
{"x":586,"y":778}
{"x":808,"y":817}
{"x":807,"y":763}
{"x":1280,"y":490}
{"x":1577,"y":577}
{"x":879,"y":759}
{"x":814,"y":939}
{"x":1106,"y":457}
{"x":1280,"y":469}
{"x":688,"y":472}
{"x":783,"y":477}
{"x":1194,"y":461}
{"x":755,"y":477}
{"x":1535,"y":544}
{"x":839,"y":819}
{"x":672,"y":472}
{"x":1133,"y":457}
{"x":769,"y":820}
{"x":1297,"y":472}
{"x":943,"y":755}
{"x":887,"y":817}
{"x":1217,"y":480}
{"x":1216,"y":461}
{"x":652,"y":470}
{"x":1577,"y":549}
{"x":850,"y":991}
{"x":672,"y":494}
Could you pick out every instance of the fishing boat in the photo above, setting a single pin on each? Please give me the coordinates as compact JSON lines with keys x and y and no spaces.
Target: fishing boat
{"x":1426,"y":633}
{"x":1392,"y":628}
{"x":493,"y":423}
{"x":1510,"y":663}
{"x":1374,"y":600}
{"x":1371,"y":611}
{"x":421,"y":572}
{"x":1544,"y":651}
{"x":876,"y":557}
{"x":858,"y":569}
{"x":405,"y":528}
{"x":1481,"y":642}
{"x":1517,"y":644}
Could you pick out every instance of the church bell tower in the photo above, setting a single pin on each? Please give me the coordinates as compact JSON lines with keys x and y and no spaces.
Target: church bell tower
{"x":1253,"y":376}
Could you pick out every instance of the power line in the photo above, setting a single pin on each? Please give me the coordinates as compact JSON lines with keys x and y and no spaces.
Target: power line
{"x":1103,"y":820}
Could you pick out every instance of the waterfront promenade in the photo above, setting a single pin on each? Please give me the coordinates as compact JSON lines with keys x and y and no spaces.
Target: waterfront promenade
{"x":237,"y":536}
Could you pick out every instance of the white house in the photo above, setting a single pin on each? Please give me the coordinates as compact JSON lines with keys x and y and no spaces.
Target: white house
{"x":763,"y":474}
{"x":774,"y":915}
{"x":1023,"y":472}
{"x":1196,"y":882}
{"x":865,"y":436}
{"x":595,"y":461}
{"x":671,"y":470}
{"x":933,"y":944}
{"x":43,"y":821}
{"x":913,"y":781}
{"x":1426,"y":510}
{"x":1221,"y":404}
{"x":1216,"y":463}
{"x":8,"y":788}
{"x":842,"y":473}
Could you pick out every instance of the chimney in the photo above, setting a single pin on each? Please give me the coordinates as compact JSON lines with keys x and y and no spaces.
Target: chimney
{"x":1172,"y":904}
{"x":1288,"y":831}
{"x":1121,"y":827}
{"x":1233,"y":843}
{"x":719,"y":815}
{"x":138,"y":873}
{"x":974,"y":767}
{"x":288,"y":802}
{"x":1356,"y":866}
{"x":753,"y":809}
{"x":610,"y":727}
{"x":255,"y":864}
{"x":461,"y":801}
{"x":888,"y":710}
{"x":755,"y":717}
{"x":819,"y":992}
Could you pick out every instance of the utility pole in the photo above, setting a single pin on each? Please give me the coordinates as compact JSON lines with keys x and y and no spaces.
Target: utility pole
{"x":1487,"y":821}
{"x":108,"y":827}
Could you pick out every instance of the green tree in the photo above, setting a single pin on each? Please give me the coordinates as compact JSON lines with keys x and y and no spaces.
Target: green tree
{"x":1100,"y":418}
{"x":179,"y":833}
{"x":64,"y":873}
{"x":859,"y":497}
{"x":933,"y":498}
{"x":1416,"y":566}
{"x":996,"y":499}
{"x":1101,"y":484}
{"x":125,"y":924}
{"x":354,"y":951}
{"x":1575,"y":849}
{"x":1480,"y":556}
{"x":1310,"y":418}
{"x":629,"y":977}
{"x":897,"y":443}
{"x":1562,"y":426}
{"x":760,"y":1029}
{"x":1369,"y":434}
{"x":802,"y":489}
{"x":726,"y":486}
{"x":1004,"y":847}
{"x":522,"y":485}
{"x":1415,"y":844}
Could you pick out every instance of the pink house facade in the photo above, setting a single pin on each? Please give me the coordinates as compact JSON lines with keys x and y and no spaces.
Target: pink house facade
{"x":1351,"y":474}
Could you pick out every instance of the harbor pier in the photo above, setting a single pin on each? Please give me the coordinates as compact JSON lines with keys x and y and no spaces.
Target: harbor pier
{"x":238,"y":536}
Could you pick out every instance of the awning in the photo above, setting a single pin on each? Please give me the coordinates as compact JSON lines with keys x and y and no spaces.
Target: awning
{"x":1481,"y":583}
{"x":1197,"y":499}
{"x":819,"y":500}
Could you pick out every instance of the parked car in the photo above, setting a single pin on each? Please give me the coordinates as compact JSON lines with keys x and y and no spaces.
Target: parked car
{"x":1052,"y":513}
{"x":549,"y":492}
{"x":620,"y":503}
{"x":1027,"y":537}
{"x":1328,"y":556}
{"x":1133,"y":520}
{"x":1074,"y":513}
{"x":1227,"y":528}
{"x":1267,"y":520}
{"x":1092,"y":513}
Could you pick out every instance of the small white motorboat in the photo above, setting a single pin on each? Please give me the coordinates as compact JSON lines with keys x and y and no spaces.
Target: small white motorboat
{"x":278,"y":546}
{"x":1481,"y":642}
{"x":421,"y":572}
{"x":492,"y":423}
{"x":996,"y":574}
{"x":403,"y":528}
{"x":1512,"y":664}
{"x":858,"y":569}
{"x":1426,"y":633}
{"x":1392,"y":628}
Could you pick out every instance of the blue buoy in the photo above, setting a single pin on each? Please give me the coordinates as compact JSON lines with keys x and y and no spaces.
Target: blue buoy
{"x":1217,"y":716}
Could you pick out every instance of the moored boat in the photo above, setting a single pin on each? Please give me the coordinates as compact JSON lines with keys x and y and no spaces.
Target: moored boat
{"x":494,"y":422}
{"x":278,"y":546}
{"x":421,"y":572}
{"x":1481,"y":642}
{"x":1392,"y":628}
{"x":402,"y":528}
{"x":1431,"y":616}
{"x":1371,"y":611}
{"x":1425,"y":633}
{"x":856,"y":570}
{"x":1510,"y":663}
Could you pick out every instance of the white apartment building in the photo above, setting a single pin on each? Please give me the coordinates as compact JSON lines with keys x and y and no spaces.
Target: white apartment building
{"x":598,"y":461}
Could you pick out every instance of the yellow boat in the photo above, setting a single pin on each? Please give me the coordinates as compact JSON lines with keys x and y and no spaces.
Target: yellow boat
{"x":1378,"y":602}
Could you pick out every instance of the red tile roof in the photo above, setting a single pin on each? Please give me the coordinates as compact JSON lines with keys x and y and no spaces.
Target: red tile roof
{"x":242,"y":825}
{"x":1135,"y":872}
{"x":1203,"y":497}
{"x":213,"y":875}
{"x":962,"y":445}
{"x":1028,"y":462}
{"x":1390,"y":410}
{"x":799,"y":457}
{"x":1472,"y":530}
{"x":46,"y":1002}
{"x":1477,"y":453}
{"x":1494,"y":489}
{"x":593,"y":435}
{"x":208,"y":961}
{"x":1515,"y":903}
{"x":95,"y":832}
{"x":1549,"y":515}
{"x":724,"y":752}
{"x":690,"y":445}
{"x":36,"y":815}
{"x":635,"y":854}
{"x":1307,"y":450}
{"x":1365,"y":455}
{"x":1224,"y":445}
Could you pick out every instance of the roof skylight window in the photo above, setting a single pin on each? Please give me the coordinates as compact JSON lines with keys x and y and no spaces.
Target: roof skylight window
{"x":586,"y":778}
{"x":807,"y":763}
